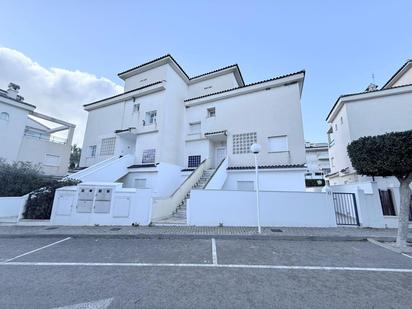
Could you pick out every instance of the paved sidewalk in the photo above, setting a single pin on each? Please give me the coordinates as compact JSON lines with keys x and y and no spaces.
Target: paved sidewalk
{"x":287,"y":233}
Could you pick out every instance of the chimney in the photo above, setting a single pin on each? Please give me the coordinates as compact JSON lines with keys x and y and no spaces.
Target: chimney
{"x":371,"y":87}
{"x":13,"y":91}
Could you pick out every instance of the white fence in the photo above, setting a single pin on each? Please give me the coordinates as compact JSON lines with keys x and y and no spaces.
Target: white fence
{"x":238,"y":208}
{"x":128,"y":206}
{"x":11,"y":208}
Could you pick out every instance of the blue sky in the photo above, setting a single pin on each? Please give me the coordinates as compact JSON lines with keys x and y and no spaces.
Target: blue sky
{"x":340,"y":44}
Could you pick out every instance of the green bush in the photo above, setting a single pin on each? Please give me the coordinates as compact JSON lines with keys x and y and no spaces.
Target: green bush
{"x":40,"y":202}
{"x":315,"y":182}
{"x":20,"y":178}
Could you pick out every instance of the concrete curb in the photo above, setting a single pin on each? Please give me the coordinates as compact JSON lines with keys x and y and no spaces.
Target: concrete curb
{"x":207,"y":236}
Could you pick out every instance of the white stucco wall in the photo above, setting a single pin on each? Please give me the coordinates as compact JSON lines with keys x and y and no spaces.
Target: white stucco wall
{"x":238,"y":208}
{"x":269,"y":180}
{"x":273,"y":112}
{"x":212,"y":85}
{"x":145,"y":78}
{"x":385,"y":114}
{"x":35,"y":150}
{"x":11,"y":131}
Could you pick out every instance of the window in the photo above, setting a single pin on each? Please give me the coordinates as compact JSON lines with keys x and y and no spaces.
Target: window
{"x":194,"y":128}
{"x":150,"y":118}
{"x":140,"y":183}
{"x":242,"y":142}
{"x":149,"y":156}
{"x":341,"y":120}
{"x":208,"y":87}
{"x":52,"y":160}
{"x":211,"y":112}
{"x":332,"y":161}
{"x":278,"y":143}
{"x":336,"y":127}
{"x":388,"y":208}
{"x":92,"y":151}
{"x":136,"y":107}
{"x":4,"y":116}
{"x":243,"y":185}
{"x":193,"y":161}
{"x":107,"y":147}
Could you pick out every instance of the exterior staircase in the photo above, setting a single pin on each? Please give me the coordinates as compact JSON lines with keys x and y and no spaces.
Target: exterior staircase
{"x":179,"y":218}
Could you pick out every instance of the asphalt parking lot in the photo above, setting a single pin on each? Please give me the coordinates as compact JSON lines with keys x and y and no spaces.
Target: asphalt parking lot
{"x":52,"y":272}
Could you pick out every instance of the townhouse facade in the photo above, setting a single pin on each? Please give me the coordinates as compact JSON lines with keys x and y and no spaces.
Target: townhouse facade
{"x":166,"y":124}
{"x":317,"y":160}
{"x":33,"y":137}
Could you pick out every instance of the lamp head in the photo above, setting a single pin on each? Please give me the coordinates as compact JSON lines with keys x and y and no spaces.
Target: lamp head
{"x":255,"y":148}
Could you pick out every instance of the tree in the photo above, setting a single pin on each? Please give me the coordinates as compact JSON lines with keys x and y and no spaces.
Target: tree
{"x":75,"y":156}
{"x":387,"y":155}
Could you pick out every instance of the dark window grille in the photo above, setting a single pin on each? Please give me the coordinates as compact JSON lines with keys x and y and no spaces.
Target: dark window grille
{"x":388,"y":208}
{"x":193,"y":161}
{"x":149,"y":156}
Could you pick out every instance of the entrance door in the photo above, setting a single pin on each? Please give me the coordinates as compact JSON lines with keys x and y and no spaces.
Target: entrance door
{"x":220,"y":155}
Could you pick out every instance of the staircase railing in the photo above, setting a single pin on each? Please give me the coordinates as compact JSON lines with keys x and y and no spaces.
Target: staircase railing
{"x":164,"y":207}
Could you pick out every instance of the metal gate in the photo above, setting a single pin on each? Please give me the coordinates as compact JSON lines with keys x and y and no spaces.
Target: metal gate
{"x":345,"y":208}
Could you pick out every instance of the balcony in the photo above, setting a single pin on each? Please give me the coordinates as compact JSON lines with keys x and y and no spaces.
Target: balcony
{"x":47,"y":138}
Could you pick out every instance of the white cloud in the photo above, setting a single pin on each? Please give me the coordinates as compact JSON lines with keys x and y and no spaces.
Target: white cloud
{"x":56,"y":92}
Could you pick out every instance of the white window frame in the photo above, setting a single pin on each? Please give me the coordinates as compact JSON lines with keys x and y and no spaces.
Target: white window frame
{"x":286,"y":144}
{"x":196,"y":124}
{"x":150,"y":118}
{"x":211,"y":112}
{"x":92,"y":151}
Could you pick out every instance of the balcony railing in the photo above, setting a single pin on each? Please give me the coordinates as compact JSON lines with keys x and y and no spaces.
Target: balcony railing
{"x":52,"y":139}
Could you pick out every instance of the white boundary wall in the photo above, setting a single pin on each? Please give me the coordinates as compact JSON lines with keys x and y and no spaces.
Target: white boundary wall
{"x":369,"y":204}
{"x":11,"y":208}
{"x":277,"y":208}
{"x":128,"y":206}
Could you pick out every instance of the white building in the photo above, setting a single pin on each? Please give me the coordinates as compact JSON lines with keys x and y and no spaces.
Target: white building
{"x":369,"y":113}
{"x":169,"y":123}
{"x":317,"y":160}
{"x":33,"y":137}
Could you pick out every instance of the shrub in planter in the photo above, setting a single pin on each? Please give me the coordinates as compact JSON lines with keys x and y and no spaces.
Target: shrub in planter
{"x":40,"y":202}
{"x":20,"y":178}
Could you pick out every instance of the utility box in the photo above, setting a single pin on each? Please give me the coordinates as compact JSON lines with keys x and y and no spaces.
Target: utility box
{"x":103,"y":200}
{"x":85,"y":199}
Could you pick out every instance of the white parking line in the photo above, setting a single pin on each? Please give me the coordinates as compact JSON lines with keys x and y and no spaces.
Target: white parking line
{"x":35,"y":250}
{"x":214,"y":251}
{"x":279,"y":267}
{"x":407,"y":255}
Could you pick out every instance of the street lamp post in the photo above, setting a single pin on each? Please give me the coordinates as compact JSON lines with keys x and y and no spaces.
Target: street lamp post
{"x":255,"y":148}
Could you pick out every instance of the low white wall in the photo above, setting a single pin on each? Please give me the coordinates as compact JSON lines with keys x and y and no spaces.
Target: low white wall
{"x":128,"y":206}
{"x":368,"y":201}
{"x":238,"y":208}
{"x":11,"y":208}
